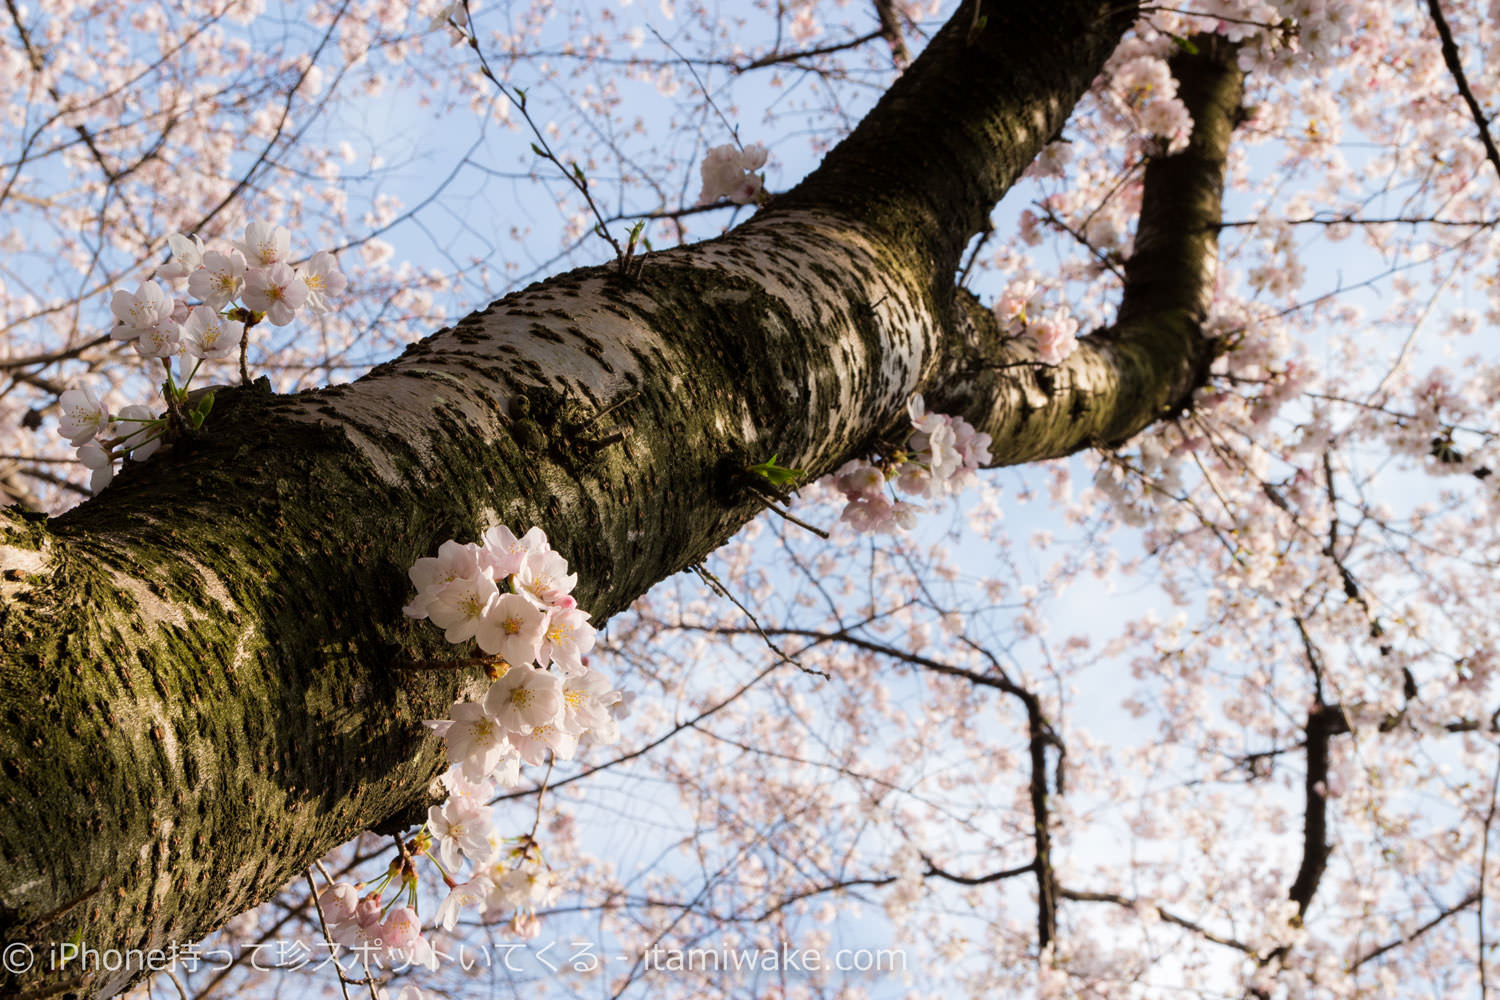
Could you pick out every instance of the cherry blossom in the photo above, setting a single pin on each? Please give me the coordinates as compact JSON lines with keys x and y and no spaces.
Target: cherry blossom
{"x":463,"y":606}
{"x":567,"y":639}
{"x":275,"y":290}
{"x":472,"y":893}
{"x":219,"y":279}
{"x":148,"y":310}
{"x":100,"y":464}
{"x":512,"y":629}
{"x":505,"y":553}
{"x":524,"y":698}
{"x":339,"y":902}
{"x":461,"y":826}
{"x":401,"y":929}
{"x":1054,"y":336}
{"x":476,"y":740}
{"x":82,"y":415}
{"x":730,"y":172}
{"x":544,"y":576}
{"x":264,"y":244}
{"x":207,"y":335}
{"x":187,"y":257}
{"x":431,"y":573}
{"x":322,"y":277}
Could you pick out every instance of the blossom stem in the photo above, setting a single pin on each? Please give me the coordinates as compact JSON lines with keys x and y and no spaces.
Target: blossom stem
{"x":312,"y":890}
{"x":176,"y":421}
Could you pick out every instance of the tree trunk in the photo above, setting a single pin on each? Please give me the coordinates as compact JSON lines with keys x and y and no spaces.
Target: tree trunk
{"x":200,"y":683}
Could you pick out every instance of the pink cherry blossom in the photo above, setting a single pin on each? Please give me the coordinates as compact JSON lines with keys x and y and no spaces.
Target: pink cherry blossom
{"x":264,"y":244}
{"x":219,"y":279}
{"x":209,"y":336}
{"x":512,"y":628}
{"x":81,"y":415}
{"x":523,"y":698}
{"x":322,"y":278}
{"x":147,"y":310}
{"x":567,"y":639}
{"x":729,"y":172}
{"x":275,"y":290}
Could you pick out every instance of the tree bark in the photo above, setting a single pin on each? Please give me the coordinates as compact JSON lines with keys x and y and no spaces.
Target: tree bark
{"x":200,"y":683}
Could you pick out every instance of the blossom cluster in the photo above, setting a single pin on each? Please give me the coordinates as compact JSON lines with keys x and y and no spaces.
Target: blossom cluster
{"x":941,"y":457}
{"x":452,"y":18}
{"x":730,"y":172}
{"x":1282,"y":37}
{"x":133,"y":433}
{"x":512,"y":596}
{"x":535,"y":618}
{"x":508,"y":878}
{"x":162,"y":326}
{"x":1147,"y":87}
{"x":1053,"y":333}
{"x":372,"y":931}
{"x":255,"y":269}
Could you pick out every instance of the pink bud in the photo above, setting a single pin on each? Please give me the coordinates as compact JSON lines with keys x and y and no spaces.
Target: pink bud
{"x":339,"y":902}
{"x":368,"y":911}
{"x":401,"y":929}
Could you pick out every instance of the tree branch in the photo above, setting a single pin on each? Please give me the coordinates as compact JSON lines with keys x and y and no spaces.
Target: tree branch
{"x":1456,"y":67}
{"x":1166,"y":915}
{"x":1444,"y":914}
{"x":1149,"y":363}
{"x":204,"y":647}
{"x":935,"y":178}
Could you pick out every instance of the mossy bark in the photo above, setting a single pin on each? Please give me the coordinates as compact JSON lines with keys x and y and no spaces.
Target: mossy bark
{"x":200,"y":669}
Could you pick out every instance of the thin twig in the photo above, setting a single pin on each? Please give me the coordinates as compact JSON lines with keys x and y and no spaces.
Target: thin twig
{"x":541,"y":793}
{"x":54,"y":356}
{"x":1458,"y":907}
{"x":771,"y":499}
{"x":718,"y":587}
{"x":1166,"y":915}
{"x":734,"y":133}
{"x":1484,"y":860}
{"x":181,"y":989}
{"x":797,"y":520}
{"x":323,"y":923}
{"x":777,"y":58}
{"x":541,"y":147}
{"x":984,"y":237}
{"x":641,"y":751}
{"x":1456,"y":67}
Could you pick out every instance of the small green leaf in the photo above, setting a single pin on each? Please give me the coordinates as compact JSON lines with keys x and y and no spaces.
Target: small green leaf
{"x":538,"y":150}
{"x":1185,"y":44}
{"x":778,"y":475}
